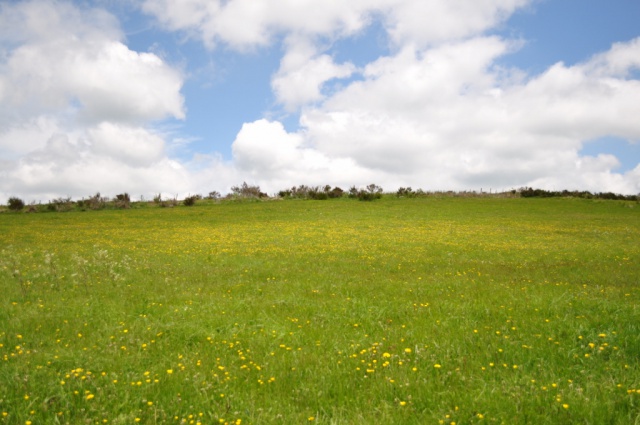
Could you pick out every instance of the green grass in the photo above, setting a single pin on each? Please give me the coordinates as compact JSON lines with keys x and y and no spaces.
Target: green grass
{"x":412,"y":311}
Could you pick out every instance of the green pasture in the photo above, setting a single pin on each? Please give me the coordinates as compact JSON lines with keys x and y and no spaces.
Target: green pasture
{"x":398,"y":311}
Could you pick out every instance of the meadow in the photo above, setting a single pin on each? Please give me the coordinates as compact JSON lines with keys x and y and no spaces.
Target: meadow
{"x":400,"y":311}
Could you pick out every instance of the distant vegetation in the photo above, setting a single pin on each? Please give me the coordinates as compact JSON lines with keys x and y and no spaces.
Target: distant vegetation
{"x":247,"y":192}
{"x":528,"y":192}
{"x":15,"y":204}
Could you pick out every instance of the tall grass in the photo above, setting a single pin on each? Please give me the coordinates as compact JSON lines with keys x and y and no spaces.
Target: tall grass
{"x":398,"y":311}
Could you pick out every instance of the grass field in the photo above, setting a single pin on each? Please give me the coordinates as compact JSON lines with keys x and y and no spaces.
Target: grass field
{"x":399,"y":311}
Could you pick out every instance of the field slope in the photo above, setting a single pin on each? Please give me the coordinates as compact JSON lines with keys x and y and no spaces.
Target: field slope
{"x":412,"y":311}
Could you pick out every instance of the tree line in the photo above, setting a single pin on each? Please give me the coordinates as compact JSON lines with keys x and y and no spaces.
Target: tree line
{"x":247,"y":191}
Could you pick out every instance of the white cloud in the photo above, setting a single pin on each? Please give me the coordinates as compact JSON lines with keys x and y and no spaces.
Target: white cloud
{"x":447,"y":118}
{"x":619,"y":61}
{"x":100,"y":80}
{"x":424,"y":23}
{"x":134,"y":146}
{"x":109,"y":158}
{"x":76,"y":104}
{"x":302,"y":74}
{"x":267,"y":153}
{"x":58,"y":59}
{"x":585,"y":101}
{"x":244,"y":24}
{"x":42,"y":21}
{"x":22,"y":137}
{"x":410,"y":110}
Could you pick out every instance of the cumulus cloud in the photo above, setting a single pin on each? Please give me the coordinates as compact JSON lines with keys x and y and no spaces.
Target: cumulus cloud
{"x":302,"y":74}
{"x":265,"y":152}
{"x":76,"y":103}
{"x":100,"y":79}
{"x":424,"y":23}
{"x":110,"y":158}
{"x":449,"y":117}
{"x":245,"y":24}
{"x":619,"y":61}
{"x":130,"y":145}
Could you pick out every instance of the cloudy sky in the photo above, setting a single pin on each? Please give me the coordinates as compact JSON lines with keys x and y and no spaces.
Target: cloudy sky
{"x":189,"y":96}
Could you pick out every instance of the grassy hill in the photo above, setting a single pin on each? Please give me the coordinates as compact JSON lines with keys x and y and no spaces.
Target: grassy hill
{"x":426,"y":310}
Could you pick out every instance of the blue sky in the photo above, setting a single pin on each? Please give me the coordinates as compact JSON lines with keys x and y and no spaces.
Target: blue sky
{"x":187,"y":97}
{"x":570,"y":30}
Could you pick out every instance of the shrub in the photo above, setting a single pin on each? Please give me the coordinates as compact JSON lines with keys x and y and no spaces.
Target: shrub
{"x":15,"y":204}
{"x":311,"y":192}
{"x":375,"y":189}
{"x":336,"y":192}
{"x":285,"y":193}
{"x":301,"y":192}
{"x":213,"y":195}
{"x":366,"y":196}
{"x":247,"y":191}
{"x":169,"y":203}
{"x":321,"y":196}
{"x":406,"y":192}
{"x":316,"y":193}
{"x":60,"y":204}
{"x":372,"y":192}
{"x":97,"y":202}
{"x":123,"y":201}
{"x":190,"y":201}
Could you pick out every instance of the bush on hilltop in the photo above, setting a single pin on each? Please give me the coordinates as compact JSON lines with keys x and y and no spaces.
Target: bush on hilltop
{"x":15,"y":204}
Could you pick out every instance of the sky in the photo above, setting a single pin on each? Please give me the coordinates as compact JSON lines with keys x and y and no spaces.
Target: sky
{"x":183,"y":97}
